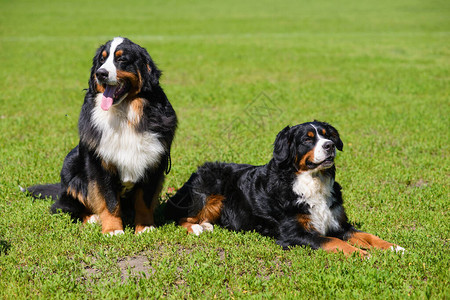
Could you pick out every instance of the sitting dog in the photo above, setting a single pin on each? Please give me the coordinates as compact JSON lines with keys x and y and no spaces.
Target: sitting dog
{"x":294,"y":198}
{"x":126,"y":128}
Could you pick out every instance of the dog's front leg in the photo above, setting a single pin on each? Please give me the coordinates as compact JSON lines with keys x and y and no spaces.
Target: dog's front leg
{"x":144,"y":206}
{"x":367,"y":241}
{"x":333,"y":244}
{"x":106,"y":204}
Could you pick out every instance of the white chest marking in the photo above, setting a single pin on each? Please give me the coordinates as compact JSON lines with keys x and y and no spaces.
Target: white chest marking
{"x":316,"y":191}
{"x":130,"y":151}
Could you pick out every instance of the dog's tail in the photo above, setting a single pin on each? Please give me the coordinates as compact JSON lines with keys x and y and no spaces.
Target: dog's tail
{"x":43,"y":191}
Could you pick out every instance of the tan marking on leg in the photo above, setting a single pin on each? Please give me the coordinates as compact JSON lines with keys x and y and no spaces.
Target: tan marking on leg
{"x":212,"y":209}
{"x":336,"y":245}
{"x":367,"y":241}
{"x":111,"y":222}
{"x":209,"y":214}
{"x":144,"y":218}
{"x":76,"y":195}
{"x":305,"y":221}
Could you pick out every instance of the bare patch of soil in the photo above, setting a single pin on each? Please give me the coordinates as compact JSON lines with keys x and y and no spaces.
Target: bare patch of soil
{"x":135,"y":266}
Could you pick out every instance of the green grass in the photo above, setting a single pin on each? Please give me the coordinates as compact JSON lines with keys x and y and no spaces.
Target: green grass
{"x":236,"y":73}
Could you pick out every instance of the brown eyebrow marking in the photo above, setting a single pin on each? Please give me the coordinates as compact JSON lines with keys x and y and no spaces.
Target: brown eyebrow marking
{"x":310,"y":134}
{"x":324,"y":131}
{"x":104,"y":54}
{"x":119,"y":53}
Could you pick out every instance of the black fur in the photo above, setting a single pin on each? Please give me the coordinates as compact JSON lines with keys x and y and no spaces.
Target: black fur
{"x":85,"y":166}
{"x":262,"y":198}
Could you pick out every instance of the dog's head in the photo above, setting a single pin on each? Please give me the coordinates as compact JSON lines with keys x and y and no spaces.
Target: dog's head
{"x":122,"y":69}
{"x":307,"y":147}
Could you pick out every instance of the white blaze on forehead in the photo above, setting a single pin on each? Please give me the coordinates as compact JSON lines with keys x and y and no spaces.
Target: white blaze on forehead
{"x":109,"y":63}
{"x":319,"y":153}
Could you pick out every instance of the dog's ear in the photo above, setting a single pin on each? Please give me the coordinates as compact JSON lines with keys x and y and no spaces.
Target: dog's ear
{"x":282,"y":147}
{"x":154,"y":72}
{"x":94,"y":68}
{"x":334,"y":136}
{"x":149,"y":72}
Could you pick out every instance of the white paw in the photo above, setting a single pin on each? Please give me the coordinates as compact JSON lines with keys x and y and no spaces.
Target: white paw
{"x":207,"y":226}
{"x":93,"y":219}
{"x":197,"y":229}
{"x":115,"y":232}
{"x":147,"y":229}
{"x":397,"y":249}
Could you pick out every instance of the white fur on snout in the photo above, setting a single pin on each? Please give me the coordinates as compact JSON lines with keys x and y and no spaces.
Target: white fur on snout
{"x":109,"y":63}
{"x":197,"y":229}
{"x":320,"y":154}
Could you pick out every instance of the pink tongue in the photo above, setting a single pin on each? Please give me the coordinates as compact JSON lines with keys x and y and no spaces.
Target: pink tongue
{"x":107,"y":98}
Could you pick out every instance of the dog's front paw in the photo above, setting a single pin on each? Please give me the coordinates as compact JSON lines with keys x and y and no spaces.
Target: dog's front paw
{"x":115,"y":232}
{"x":145,"y":229}
{"x":207,"y":226}
{"x":93,"y":219}
{"x":197,"y":229}
{"x":398,"y":249}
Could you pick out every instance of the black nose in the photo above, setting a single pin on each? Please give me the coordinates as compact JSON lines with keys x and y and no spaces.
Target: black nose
{"x":102,"y":74}
{"x":328,"y":146}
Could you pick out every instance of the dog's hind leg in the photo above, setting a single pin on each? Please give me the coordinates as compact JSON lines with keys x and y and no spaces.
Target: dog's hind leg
{"x":192,"y":225}
{"x":72,"y":202}
{"x":207,"y":216}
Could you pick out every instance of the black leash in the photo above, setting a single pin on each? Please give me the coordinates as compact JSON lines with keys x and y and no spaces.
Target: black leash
{"x":169,"y":164}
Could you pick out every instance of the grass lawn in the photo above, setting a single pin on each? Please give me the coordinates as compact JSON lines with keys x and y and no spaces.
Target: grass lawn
{"x":236,"y":73}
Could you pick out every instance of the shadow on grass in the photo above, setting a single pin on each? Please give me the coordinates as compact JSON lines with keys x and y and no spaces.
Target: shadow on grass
{"x":4,"y":247}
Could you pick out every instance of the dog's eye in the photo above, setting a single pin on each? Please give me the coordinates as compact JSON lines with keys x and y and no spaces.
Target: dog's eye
{"x":121,"y":59}
{"x":102,"y":59}
{"x":307,"y":140}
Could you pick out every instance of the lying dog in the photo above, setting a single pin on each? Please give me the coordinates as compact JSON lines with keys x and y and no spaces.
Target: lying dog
{"x":126,"y":128}
{"x":294,"y":198}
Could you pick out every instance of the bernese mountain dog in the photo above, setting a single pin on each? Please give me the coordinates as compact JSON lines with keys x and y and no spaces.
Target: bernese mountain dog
{"x":294,"y":198}
{"x":126,"y":128}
